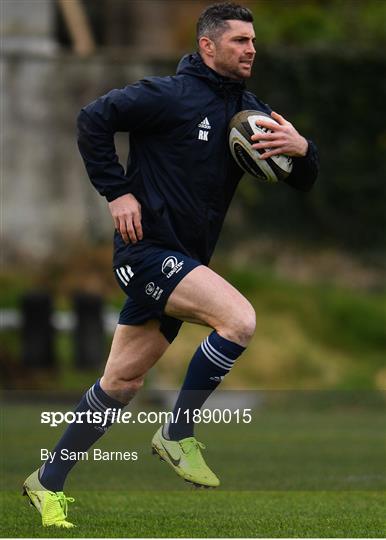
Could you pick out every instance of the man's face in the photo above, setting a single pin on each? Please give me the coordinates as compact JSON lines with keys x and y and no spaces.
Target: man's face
{"x":234,"y":50}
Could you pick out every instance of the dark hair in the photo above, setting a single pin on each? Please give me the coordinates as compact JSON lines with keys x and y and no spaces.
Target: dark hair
{"x":213,"y":20}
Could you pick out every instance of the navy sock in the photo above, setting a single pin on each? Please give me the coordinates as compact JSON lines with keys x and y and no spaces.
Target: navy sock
{"x":211,"y":362}
{"x":78,"y":437}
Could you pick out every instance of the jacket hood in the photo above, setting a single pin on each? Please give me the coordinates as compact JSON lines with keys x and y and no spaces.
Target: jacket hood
{"x":192,"y":64}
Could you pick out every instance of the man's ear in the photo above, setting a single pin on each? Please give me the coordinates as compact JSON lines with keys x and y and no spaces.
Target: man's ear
{"x":206,"y":46}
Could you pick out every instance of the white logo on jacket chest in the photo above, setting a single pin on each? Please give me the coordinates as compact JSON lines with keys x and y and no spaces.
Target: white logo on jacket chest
{"x":203,"y":132}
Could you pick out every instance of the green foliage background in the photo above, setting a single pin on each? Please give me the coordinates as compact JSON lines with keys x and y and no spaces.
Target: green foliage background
{"x":336,"y":99}
{"x":344,"y":23}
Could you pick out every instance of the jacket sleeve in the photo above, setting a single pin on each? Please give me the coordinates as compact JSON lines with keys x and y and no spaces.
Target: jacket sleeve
{"x":305,"y":169}
{"x":140,"y":107}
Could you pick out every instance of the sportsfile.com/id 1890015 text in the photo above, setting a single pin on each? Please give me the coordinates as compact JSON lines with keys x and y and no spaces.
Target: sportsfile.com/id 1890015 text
{"x":197,"y":416}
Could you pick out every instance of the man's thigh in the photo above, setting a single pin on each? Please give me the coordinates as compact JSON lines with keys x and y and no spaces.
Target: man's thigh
{"x":148,"y":274}
{"x":204,"y":297}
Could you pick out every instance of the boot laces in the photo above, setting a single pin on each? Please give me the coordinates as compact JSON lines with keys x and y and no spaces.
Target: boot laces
{"x":58,"y":504}
{"x":63,"y":501}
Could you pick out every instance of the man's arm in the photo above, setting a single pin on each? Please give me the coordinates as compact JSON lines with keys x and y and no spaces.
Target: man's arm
{"x":285,"y":139}
{"x":97,"y":124}
{"x":138,"y":107}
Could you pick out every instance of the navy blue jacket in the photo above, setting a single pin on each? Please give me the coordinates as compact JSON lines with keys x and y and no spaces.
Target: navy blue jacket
{"x":184,"y":183}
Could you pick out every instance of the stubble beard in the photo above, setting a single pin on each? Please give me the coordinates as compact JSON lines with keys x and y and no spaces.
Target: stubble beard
{"x":228,"y":69}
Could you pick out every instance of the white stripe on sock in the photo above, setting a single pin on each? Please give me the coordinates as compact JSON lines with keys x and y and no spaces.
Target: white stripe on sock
{"x":228,"y":363}
{"x":93,"y":408}
{"x":92,"y":389}
{"x":98,"y":401}
{"x":92,"y":404}
{"x":211,"y":358}
{"x":112,"y":408}
{"x":217,"y":353}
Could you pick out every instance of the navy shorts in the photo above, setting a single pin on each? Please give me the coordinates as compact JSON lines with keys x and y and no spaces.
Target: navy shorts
{"x":148,"y":276}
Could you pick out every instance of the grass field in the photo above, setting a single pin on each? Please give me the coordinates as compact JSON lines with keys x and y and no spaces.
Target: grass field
{"x":203,"y":514}
{"x":303,"y":467}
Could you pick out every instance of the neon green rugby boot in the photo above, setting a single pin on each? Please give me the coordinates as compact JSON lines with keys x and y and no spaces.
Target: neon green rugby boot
{"x":185,"y":458}
{"x":50,"y":504}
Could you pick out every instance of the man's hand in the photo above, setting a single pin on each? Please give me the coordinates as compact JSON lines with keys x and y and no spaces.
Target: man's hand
{"x":284,"y":139}
{"x":126,"y":212}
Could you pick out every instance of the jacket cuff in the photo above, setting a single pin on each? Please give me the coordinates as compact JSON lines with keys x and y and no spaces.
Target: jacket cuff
{"x":118,"y":192}
{"x":311,"y":151}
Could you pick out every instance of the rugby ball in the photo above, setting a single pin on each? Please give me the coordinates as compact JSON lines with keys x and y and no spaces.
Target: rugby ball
{"x":242,"y":126}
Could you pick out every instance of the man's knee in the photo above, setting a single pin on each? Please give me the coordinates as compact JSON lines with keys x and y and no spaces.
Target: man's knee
{"x":246,"y":324}
{"x":121,"y":383}
{"x":121,"y":388}
{"x":241,"y":324}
